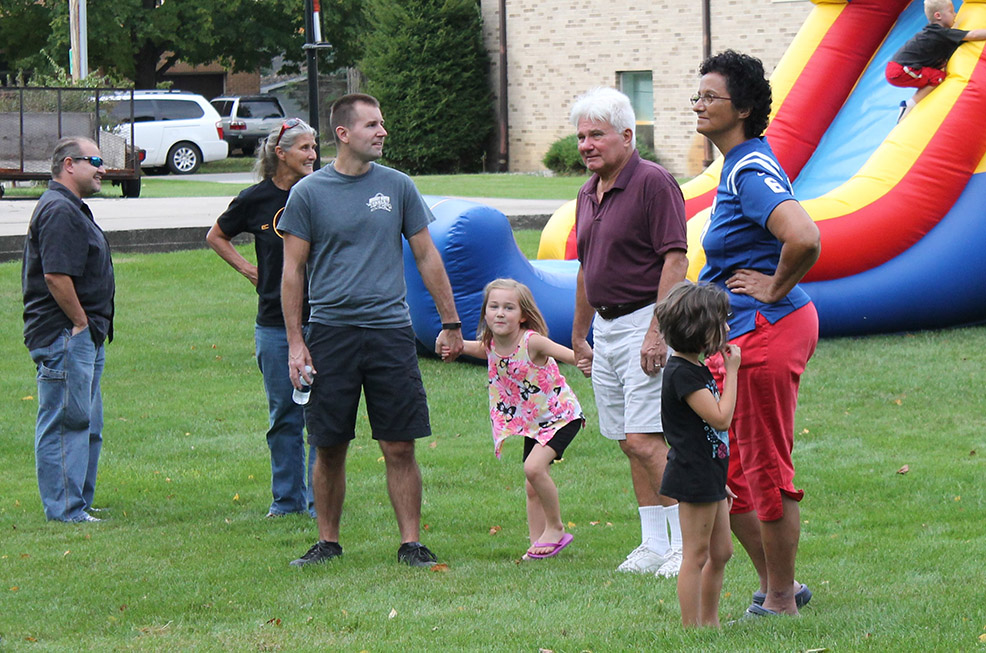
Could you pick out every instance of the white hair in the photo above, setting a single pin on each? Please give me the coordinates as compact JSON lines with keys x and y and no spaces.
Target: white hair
{"x":265,"y":166}
{"x":605,"y":104}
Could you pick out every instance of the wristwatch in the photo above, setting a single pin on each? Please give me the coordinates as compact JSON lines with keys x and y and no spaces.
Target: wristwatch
{"x":451,"y":326}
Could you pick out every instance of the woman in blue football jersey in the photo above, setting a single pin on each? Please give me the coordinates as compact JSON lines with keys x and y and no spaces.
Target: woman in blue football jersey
{"x":759,"y":243}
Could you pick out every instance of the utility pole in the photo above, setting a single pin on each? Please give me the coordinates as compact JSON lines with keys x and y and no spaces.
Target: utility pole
{"x":311,"y":12}
{"x":313,"y":43}
{"x":503,"y":155}
{"x":78,"y":39}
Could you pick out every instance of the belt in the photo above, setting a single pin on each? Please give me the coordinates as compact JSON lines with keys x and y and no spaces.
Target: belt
{"x":619,"y":310}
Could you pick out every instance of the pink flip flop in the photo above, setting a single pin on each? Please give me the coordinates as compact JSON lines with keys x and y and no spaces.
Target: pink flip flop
{"x":566,"y":539}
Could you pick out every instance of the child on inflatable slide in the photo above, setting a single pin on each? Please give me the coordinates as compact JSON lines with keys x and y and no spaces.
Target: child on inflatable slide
{"x":921,"y":62}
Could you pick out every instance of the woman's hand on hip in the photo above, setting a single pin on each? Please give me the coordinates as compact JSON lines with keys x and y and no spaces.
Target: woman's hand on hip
{"x":755,"y":284}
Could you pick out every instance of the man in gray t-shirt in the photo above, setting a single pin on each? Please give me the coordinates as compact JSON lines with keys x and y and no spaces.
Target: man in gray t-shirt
{"x":345,"y":222}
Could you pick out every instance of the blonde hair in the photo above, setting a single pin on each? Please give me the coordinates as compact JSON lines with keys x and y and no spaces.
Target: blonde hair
{"x":932,"y":6}
{"x":530,"y":315}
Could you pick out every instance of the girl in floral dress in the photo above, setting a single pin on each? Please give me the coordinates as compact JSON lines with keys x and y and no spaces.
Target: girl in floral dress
{"x":528,"y":397}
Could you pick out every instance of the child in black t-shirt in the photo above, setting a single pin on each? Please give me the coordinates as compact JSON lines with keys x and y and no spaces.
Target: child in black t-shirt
{"x":920,"y":63}
{"x":696,"y":419}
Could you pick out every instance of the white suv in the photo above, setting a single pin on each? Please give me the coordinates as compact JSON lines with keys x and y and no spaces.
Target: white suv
{"x":176,"y":129}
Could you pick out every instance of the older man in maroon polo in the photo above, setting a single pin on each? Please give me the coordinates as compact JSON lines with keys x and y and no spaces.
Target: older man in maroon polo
{"x":631,"y":241}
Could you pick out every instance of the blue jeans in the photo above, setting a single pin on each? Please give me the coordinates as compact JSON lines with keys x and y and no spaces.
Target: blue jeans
{"x":289,"y":482}
{"x":69,"y":432}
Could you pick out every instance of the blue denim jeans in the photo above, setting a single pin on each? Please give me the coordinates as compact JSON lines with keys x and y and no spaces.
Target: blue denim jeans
{"x":290,"y":484}
{"x":69,"y":432}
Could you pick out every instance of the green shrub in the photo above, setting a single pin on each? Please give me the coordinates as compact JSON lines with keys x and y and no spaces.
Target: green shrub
{"x":563,"y":156}
{"x":645,"y":152}
{"x":427,"y":66}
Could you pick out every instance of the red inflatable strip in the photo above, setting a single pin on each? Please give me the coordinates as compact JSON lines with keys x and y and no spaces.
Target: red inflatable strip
{"x":698,"y":203}
{"x":571,"y":245}
{"x":885,"y":228}
{"x":828,"y":78}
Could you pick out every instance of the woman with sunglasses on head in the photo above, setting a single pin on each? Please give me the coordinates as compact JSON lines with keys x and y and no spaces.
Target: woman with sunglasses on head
{"x":284,"y":157}
{"x":759,"y":243}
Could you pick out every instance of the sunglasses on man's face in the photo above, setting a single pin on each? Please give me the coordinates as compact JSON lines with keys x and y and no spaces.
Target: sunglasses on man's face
{"x":96,"y":161}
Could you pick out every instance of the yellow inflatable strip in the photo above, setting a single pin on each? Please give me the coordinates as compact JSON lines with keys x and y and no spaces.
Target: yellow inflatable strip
{"x":696,"y":253}
{"x":554,"y":235}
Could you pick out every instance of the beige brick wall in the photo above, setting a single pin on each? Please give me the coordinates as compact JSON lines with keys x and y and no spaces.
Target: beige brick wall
{"x":556,"y":49}
{"x":242,"y":83}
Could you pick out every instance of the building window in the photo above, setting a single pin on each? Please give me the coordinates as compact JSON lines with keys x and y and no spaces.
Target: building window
{"x":638,"y":85}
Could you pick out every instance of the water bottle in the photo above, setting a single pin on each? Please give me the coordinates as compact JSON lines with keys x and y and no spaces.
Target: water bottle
{"x":301,"y":396}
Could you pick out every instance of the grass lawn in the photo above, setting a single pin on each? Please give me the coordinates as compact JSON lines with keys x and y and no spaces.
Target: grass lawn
{"x":186,"y":561}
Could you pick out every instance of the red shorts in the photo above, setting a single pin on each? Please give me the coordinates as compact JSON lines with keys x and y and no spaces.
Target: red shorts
{"x":761,"y":437}
{"x":906,"y":77}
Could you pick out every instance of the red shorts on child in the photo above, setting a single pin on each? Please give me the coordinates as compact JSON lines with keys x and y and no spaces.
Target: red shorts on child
{"x":761,"y":437}
{"x":906,"y":77}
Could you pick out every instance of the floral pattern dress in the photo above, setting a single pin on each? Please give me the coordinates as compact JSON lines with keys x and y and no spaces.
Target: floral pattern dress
{"x":527,"y":399}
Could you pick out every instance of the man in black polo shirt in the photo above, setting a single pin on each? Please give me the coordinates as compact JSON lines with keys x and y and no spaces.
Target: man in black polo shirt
{"x":68,"y":285}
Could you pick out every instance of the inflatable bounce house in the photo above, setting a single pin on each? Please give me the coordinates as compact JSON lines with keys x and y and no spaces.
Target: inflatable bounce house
{"x":901,"y":207}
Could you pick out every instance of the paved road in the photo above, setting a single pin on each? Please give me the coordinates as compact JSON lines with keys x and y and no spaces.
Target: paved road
{"x":119,"y":214}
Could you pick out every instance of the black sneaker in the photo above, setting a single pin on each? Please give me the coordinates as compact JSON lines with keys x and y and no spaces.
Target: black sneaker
{"x":416,"y":554}
{"x":319,"y":553}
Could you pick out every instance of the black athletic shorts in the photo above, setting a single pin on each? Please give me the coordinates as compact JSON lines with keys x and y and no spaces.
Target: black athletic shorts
{"x":562,"y":438}
{"x":380,"y":363}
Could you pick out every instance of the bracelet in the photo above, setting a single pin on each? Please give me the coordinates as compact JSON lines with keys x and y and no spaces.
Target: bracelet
{"x":451,"y":326}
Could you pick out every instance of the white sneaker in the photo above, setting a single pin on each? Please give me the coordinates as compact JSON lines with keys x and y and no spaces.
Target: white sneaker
{"x":671,"y":566}
{"x":642,"y":560}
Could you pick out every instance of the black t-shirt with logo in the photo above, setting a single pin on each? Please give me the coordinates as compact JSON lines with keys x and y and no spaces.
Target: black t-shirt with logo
{"x":256,"y":211}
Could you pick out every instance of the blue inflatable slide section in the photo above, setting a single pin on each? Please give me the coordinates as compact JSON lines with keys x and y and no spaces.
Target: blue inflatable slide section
{"x":477,"y":246}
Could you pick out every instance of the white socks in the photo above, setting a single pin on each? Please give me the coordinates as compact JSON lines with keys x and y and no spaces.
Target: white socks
{"x":655,"y":523}
{"x":654,"y":528}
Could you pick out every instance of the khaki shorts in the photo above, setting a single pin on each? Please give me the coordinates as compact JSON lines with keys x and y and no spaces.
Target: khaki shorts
{"x":628,"y":401}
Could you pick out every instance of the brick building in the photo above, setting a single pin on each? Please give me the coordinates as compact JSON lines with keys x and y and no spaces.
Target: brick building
{"x":212,"y":80}
{"x":650,"y":49}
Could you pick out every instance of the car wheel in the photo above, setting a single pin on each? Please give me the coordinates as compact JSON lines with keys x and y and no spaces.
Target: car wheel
{"x":131,"y":187}
{"x":184,"y":158}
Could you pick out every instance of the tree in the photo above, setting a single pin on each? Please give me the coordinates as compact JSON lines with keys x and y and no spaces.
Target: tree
{"x":426,"y":64}
{"x":23,"y":24}
{"x":143,"y":39}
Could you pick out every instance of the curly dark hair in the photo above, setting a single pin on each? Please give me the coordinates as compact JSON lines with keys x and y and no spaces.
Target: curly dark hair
{"x":747,"y":85}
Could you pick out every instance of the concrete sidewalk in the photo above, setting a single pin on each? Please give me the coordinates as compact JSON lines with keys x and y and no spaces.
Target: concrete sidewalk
{"x":168,"y":224}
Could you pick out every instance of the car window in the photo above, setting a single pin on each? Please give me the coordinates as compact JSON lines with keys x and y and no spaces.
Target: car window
{"x":223,"y":107}
{"x":143,"y":111}
{"x":179,"y":109}
{"x":259,"y":109}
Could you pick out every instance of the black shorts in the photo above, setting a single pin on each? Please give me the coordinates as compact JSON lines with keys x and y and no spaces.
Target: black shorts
{"x":559,"y":442}
{"x":380,"y":363}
